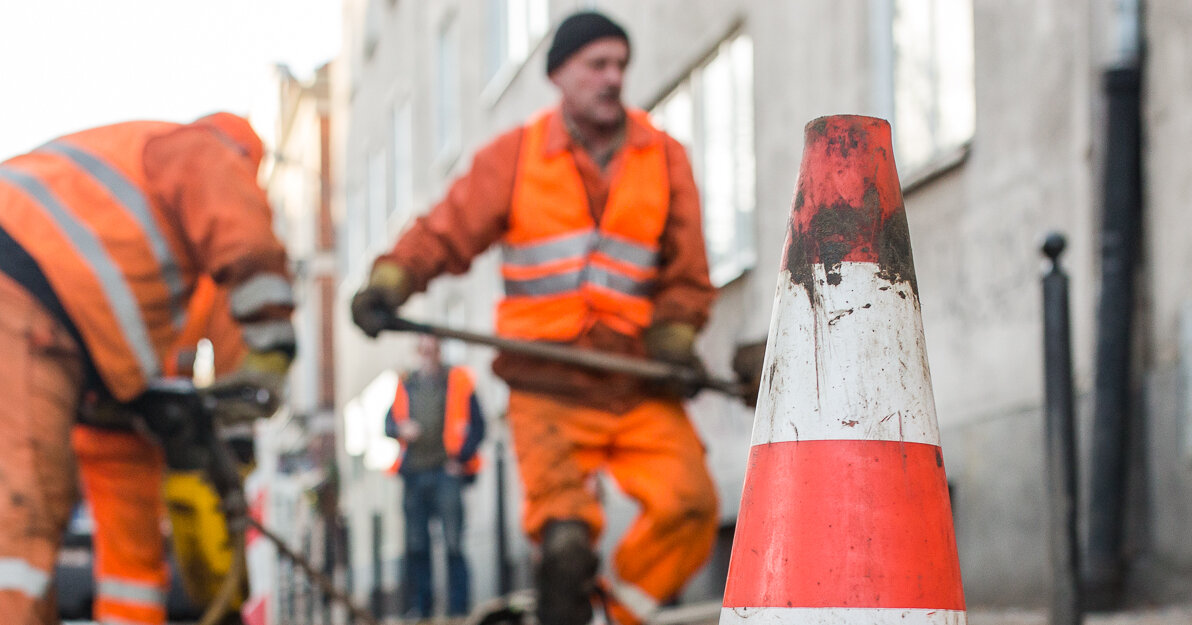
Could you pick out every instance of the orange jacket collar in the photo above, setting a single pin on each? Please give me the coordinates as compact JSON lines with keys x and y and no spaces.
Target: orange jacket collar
{"x":558,"y":139}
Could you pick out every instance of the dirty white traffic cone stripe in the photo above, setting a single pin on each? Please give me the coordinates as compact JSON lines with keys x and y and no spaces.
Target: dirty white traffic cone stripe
{"x":845,"y":515}
{"x":852,"y":363}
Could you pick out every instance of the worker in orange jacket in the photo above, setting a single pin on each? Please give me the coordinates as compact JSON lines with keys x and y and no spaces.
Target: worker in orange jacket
{"x":598,"y":218}
{"x":115,"y":463}
{"x":103,"y":236}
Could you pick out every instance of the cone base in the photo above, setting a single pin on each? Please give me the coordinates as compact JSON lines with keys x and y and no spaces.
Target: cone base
{"x":840,"y":616}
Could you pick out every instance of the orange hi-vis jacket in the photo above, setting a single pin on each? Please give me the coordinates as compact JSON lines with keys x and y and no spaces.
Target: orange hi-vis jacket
{"x":563,"y":271}
{"x":121,"y":220}
{"x":462,"y":425}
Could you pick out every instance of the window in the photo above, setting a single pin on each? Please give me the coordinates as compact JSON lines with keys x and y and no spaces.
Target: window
{"x":403,"y":164}
{"x":934,"y":100}
{"x":372,"y":29}
{"x":711,"y":113}
{"x":447,"y":105}
{"x":376,"y":238}
{"x":514,"y":28}
{"x":354,"y":232}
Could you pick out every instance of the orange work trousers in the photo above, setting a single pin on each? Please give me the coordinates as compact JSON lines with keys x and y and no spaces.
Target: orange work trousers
{"x":654,"y":455}
{"x":41,"y":378}
{"x":122,"y":476}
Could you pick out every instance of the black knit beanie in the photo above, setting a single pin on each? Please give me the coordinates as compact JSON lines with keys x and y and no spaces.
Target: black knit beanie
{"x":577,"y":31}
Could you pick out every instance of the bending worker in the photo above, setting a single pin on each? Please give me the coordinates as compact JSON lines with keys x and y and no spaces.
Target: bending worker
{"x":598,"y":218}
{"x":119,"y":468}
{"x":103,"y":234}
{"x":437,"y":421}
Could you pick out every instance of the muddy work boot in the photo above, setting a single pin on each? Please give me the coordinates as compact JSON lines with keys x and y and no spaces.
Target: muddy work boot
{"x":566,"y":575}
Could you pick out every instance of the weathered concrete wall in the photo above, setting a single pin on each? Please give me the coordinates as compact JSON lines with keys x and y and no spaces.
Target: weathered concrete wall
{"x":1167,"y":296}
{"x":1033,"y":166}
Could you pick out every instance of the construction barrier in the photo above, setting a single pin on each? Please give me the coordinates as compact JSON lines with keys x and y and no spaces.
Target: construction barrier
{"x":844,"y":515}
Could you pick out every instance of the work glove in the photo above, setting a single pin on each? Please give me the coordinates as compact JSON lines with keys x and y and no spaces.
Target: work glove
{"x":374,"y":306}
{"x":254,"y":390}
{"x":103,"y":412}
{"x":747,"y":364}
{"x":674,"y":343}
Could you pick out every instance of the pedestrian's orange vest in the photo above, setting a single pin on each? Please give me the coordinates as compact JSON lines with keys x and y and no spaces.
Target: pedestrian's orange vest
{"x":456,"y":417}
{"x":564,"y":272}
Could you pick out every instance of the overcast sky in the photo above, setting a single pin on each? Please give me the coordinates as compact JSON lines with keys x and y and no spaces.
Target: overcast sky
{"x":66,"y":65}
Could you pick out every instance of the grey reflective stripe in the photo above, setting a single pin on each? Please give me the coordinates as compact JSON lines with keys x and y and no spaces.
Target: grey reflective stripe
{"x":130,"y":591}
{"x":547,"y":285}
{"x":113,"y":620}
{"x":267,"y":335}
{"x":560,"y":283}
{"x":19,"y":575}
{"x":628,"y":251}
{"x":134,"y":200}
{"x":640,"y":604}
{"x":619,"y":282}
{"x":570,"y":246}
{"x":111,"y":279}
{"x":259,"y":292}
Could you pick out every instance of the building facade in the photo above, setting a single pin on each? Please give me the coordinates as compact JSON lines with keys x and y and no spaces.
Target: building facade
{"x":293,"y":486}
{"x":1001,"y":124}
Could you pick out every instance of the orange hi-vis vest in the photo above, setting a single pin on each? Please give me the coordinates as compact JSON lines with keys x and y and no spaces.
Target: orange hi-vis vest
{"x":112,"y":252}
{"x":456,"y":418}
{"x":207,"y":316}
{"x":563,"y":271}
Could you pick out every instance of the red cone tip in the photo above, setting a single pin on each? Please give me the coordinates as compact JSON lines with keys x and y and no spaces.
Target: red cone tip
{"x":848,"y":202}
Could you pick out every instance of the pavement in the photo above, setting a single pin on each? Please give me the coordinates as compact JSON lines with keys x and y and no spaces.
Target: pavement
{"x":1169,"y":615}
{"x":709,"y":614}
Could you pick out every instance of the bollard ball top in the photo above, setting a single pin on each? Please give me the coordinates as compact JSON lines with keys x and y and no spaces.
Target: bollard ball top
{"x":1053,"y":245}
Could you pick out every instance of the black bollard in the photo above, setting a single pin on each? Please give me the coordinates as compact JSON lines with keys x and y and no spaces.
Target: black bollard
{"x":1061,"y":439}
{"x":376,"y":597}
{"x":504,"y":579}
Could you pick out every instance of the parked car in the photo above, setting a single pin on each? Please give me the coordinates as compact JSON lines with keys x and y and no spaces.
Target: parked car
{"x":76,"y":583}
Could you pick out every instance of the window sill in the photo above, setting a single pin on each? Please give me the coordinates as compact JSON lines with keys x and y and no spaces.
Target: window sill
{"x":499,"y":84}
{"x":447,"y":157}
{"x":937,"y":166}
{"x":510,"y":69}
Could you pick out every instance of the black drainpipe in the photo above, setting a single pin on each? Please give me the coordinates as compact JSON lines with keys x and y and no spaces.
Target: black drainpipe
{"x":1120,"y":227}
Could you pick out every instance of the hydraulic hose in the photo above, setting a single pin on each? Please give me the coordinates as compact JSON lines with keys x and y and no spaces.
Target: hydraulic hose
{"x":232,"y":584}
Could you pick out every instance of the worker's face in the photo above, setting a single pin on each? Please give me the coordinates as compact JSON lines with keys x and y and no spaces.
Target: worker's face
{"x":590,"y":82}
{"x":428,"y":350}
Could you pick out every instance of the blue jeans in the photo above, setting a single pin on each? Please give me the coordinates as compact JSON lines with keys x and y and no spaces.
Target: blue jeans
{"x":430,"y":494}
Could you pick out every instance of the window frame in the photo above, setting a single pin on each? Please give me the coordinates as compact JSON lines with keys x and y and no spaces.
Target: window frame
{"x":724,"y":268}
{"x":535,"y":20}
{"x":448,"y":97}
{"x":401,"y":137}
{"x":941,"y":153}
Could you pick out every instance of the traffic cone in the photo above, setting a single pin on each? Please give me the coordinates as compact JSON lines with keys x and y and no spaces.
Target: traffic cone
{"x":844,"y":516}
